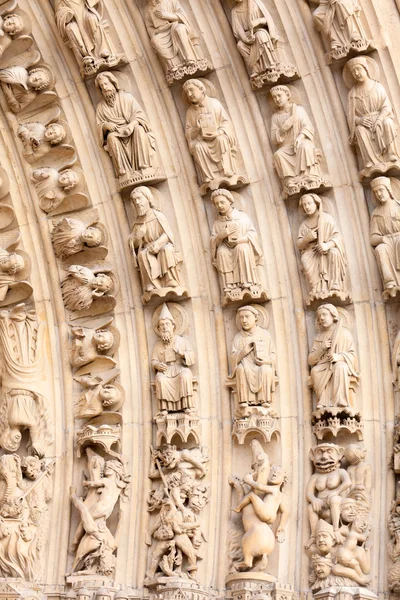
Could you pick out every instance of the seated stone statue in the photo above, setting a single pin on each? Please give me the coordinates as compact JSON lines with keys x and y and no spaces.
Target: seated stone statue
{"x":235,"y":250}
{"x":257,"y":35}
{"x":297,"y":160}
{"x":385,"y":235}
{"x":252,"y":362}
{"x":174,"y":39}
{"x":370,"y":117}
{"x":152,"y":245}
{"x":323,"y":256}
{"x":171,"y":360}
{"x":210,"y":137}
{"x":333,"y":360}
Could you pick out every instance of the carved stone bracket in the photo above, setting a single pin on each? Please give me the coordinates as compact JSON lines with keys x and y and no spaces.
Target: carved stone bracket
{"x":260,"y":420}
{"x":254,"y":586}
{"x":345,"y":593}
{"x":181,"y":424}
{"x":178,"y":589}
{"x":104,"y":430}
{"x":334,"y":424}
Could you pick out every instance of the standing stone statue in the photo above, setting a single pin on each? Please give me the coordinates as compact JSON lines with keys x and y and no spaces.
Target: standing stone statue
{"x":340,"y":25}
{"x":171,"y":360}
{"x":385,"y":234}
{"x":211,"y":138}
{"x":297,"y":160}
{"x":257,"y":35}
{"x":252,"y":362}
{"x":333,"y":361}
{"x":174,"y":39}
{"x":153,"y":249}
{"x":125,"y":133}
{"x":370,"y":117}
{"x":323,"y":256}
{"x":235,"y":250}
{"x":83,"y":28}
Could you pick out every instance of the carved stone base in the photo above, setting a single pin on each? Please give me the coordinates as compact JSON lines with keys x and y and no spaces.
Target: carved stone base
{"x":13,"y":589}
{"x":175,"y":588}
{"x":168,"y":294}
{"x":280,"y":73}
{"x":255,"y":292}
{"x":91,"y":66}
{"x":223,"y":182}
{"x":92,"y":582}
{"x":388,"y":168}
{"x":104,"y":430}
{"x":344,"y":593}
{"x":260,"y":420}
{"x":339,"y":298}
{"x":350,"y":50}
{"x":133,"y":178}
{"x":189,"y":69}
{"x":249,"y":586}
{"x":334,"y":425}
{"x":295,"y":185}
{"x":179,"y":423}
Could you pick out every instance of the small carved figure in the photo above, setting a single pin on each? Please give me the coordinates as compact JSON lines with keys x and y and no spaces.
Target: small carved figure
{"x":252,"y":362}
{"x":257,"y":35}
{"x":333,"y":361}
{"x":297,"y":160}
{"x":125,"y":133}
{"x":385,"y":234}
{"x":84,"y":29}
{"x":40,"y":139}
{"x":360,"y":475}
{"x":93,"y":346}
{"x":261,"y":502}
{"x":180,"y":500}
{"x":235,"y":250}
{"x":26,"y":87}
{"x":23,"y":405}
{"x":152,"y":245}
{"x":323,"y":256}
{"x":71,"y":236}
{"x":100,"y":394}
{"x":53,"y":187}
{"x":174,"y":39}
{"x":94,"y":545}
{"x":211,"y":138}
{"x":326,"y":488}
{"x":171,"y":360}
{"x":83,"y":285}
{"x":11,"y":25}
{"x":370,"y":117}
{"x":14,"y":269}
{"x":340,"y":25}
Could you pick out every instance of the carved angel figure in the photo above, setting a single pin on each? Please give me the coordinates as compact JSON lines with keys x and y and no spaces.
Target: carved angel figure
{"x":323,"y":256}
{"x":210,"y":137}
{"x":370,"y":117}
{"x":38,"y":139}
{"x":100,"y":394}
{"x":252,"y":362}
{"x":176,"y":530}
{"x":261,"y":502}
{"x":23,"y":405}
{"x":333,"y":360}
{"x":124,"y":132}
{"x":11,"y":25}
{"x":257,"y":35}
{"x":171,"y":360}
{"x":235,"y":249}
{"x":23,"y":512}
{"x":21,"y":86}
{"x":174,"y":39}
{"x":14,"y":269}
{"x":84,"y":29}
{"x":71,"y":236}
{"x":83,"y":285}
{"x":89,"y":344}
{"x":152,"y":245}
{"x":94,"y":545}
{"x":54,"y":187}
{"x":340,"y":25}
{"x":297,"y":160}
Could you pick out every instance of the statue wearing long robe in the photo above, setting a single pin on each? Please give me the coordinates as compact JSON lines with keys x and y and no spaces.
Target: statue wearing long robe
{"x":214,"y":156}
{"x":287,"y":162}
{"x":339,"y":21}
{"x":255,"y":43}
{"x":325,"y":272}
{"x":385,"y":221}
{"x":254,"y":383}
{"x":371,"y":100}
{"x":132,"y":145}
{"x":174,"y":387}
{"x":236,"y":263}
{"x":331,"y":380}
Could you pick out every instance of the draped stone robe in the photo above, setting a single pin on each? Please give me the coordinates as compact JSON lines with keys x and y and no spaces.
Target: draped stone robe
{"x":174,"y":387}
{"x":385,"y":221}
{"x":339,"y":21}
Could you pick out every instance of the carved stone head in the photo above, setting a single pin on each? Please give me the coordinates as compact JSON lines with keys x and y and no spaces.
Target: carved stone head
{"x":326,"y":457}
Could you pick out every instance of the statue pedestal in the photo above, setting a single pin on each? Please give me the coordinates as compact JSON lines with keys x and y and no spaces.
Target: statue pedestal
{"x":257,"y":586}
{"x":176,"y":588}
{"x":345,"y":593}
{"x":181,"y":424}
{"x":260,"y":420}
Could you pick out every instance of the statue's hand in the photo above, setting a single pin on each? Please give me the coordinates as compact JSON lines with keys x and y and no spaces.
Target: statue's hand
{"x":248,"y":478}
{"x":317,"y":505}
{"x":367,"y":122}
{"x":161,"y":367}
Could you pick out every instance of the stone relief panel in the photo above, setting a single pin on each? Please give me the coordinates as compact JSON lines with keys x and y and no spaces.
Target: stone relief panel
{"x":175,"y":40}
{"x":371,"y":118}
{"x":84,"y":29}
{"x":260,"y":44}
